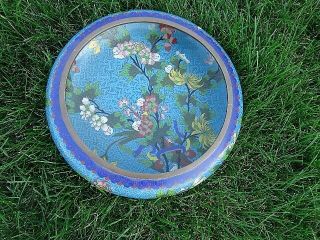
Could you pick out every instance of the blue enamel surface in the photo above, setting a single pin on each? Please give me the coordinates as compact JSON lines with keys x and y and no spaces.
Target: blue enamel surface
{"x":104,"y":70}
{"x":123,"y":185}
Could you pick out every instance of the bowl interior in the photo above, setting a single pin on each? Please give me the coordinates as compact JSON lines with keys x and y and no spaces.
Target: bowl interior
{"x":146,"y":97}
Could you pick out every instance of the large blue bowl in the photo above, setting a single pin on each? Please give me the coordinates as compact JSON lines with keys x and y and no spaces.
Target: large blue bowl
{"x":144,"y":104}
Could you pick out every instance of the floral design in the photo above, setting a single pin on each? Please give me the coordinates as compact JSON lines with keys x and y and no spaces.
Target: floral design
{"x":126,"y":49}
{"x":168,"y":36}
{"x":88,"y":111}
{"x":102,"y":184}
{"x":182,"y":57}
{"x":94,"y":45}
{"x":168,"y":68}
{"x":163,"y":144}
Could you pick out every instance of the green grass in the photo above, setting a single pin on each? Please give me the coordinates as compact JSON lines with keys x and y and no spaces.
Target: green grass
{"x":269,"y":188}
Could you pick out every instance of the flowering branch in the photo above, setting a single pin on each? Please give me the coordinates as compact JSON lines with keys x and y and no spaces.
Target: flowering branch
{"x":88,"y":111}
{"x":155,"y":43}
{"x":143,"y":71}
{"x":98,"y":108}
{"x":190,"y":92}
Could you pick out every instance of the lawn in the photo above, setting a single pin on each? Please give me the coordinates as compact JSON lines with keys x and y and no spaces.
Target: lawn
{"x":269,"y":187}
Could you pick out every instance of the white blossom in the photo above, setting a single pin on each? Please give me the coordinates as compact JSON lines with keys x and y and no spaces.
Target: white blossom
{"x":92,"y":108}
{"x":168,"y":68}
{"x":104,"y":119}
{"x":123,"y":102}
{"x":123,"y":50}
{"x":97,"y":121}
{"x":140,"y":102}
{"x":85,"y":101}
{"x":164,"y":108}
{"x":107,"y":130}
{"x":136,"y":125}
{"x":182,"y":57}
{"x":87,"y":109}
{"x":126,"y":49}
{"x":148,"y":57}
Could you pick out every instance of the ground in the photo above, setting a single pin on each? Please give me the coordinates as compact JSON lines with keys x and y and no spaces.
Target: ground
{"x":269,"y":187}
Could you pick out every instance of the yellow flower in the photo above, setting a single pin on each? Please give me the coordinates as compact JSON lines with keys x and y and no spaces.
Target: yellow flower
{"x":95,"y":46}
{"x":201,"y":128}
{"x":193,"y":81}
{"x":152,"y":157}
{"x":176,"y":77}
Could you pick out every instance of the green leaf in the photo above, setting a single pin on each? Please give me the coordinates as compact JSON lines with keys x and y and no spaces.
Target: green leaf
{"x":146,"y":162}
{"x":115,"y":120}
{"x":74,"y":96}
{"x":194,"y":101}
{"x":208,"y":83}
{"x":207,"y":111}
{"x":91,"y":90}
{"x":166,"y":82}
{"x":178,"y":64}
{"x":124,"y":148}
{"x":219,"y":76}
{"x":215,"y":74}
{"x":159,"y":133}
{"x":181,"y":99}
{"x":157,"y":78}
{"x":116,"y":35}
{"x":117,"y":114}
{"x":188,"y":118}
{"x":153,"y":36}
{"x":213,"y":70}
{"x":77,"y":91}
{"x":157,"y":65}
{"x":112,"y":42}
{"x":160,"y":97}
{"x":129,"y":71}
{"x":174,"y":60}
{"x":154,"y":80}
{"x":69,"y":85}
{"x":124,"y":38}
{"x":183,"y":67}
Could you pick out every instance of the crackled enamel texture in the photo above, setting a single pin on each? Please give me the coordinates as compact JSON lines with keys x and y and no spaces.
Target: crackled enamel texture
{"x":146,"y":97}
{"x":142,"y":108}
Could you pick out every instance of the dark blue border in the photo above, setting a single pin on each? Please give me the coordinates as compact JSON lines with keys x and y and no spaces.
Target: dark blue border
{"x":56,"y":75}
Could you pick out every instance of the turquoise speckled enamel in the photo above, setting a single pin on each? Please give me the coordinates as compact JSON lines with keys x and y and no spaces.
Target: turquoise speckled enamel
{"x":144,"y":104}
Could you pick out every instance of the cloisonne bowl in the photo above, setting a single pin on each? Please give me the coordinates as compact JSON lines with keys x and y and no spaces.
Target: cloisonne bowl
{"x":144,"y":104}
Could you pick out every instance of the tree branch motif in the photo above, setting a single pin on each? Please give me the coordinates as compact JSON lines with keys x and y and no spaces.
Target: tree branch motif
{"x":143,"y":71}
{"x":146,"y":122}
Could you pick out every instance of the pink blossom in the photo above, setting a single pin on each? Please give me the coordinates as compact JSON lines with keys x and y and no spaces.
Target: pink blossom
{"x":123,"y":102}
{"x":127,"y":112}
